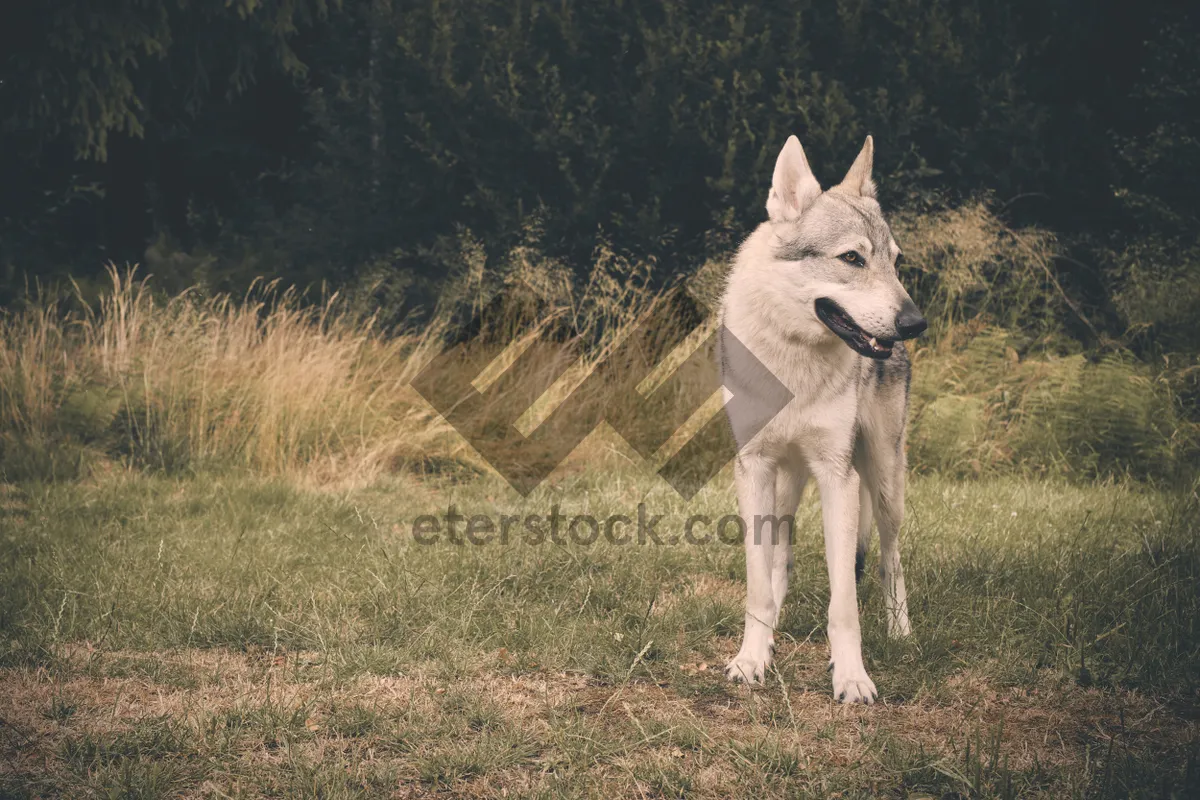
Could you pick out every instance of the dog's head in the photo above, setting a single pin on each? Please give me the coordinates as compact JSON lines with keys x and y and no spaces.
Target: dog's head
{"x":834,"y":260}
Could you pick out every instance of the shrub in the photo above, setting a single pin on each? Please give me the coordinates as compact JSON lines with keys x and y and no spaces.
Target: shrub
{"x":278,"y":385}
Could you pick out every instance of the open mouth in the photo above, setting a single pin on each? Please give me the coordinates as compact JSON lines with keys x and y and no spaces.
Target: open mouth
{"x":861,"y":342}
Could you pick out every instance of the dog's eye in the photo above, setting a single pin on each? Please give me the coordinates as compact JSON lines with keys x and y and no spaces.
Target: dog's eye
{"x":853,"y":257}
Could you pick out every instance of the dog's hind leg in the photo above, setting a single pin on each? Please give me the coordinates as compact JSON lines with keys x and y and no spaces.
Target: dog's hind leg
{"x":884,"y":478}
{"x":789,"y":485}
{"x":890,"y":508}
{"x":865,"y":521}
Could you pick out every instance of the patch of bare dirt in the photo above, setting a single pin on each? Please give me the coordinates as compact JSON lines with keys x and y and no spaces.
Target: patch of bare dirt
{"x":663,"y":724}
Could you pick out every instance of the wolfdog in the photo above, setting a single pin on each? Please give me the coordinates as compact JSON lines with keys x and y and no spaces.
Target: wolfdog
{"x":814,"y":296}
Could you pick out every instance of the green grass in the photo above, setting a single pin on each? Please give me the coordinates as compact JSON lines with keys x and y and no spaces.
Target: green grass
{"x":221,"y":635}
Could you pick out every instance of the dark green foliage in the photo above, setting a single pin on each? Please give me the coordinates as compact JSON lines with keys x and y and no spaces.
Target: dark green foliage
{"x":383,"y":147}
{"x":319,"y":140}
{"x":125,"y":118}
{"x":129,"y":52}
{"x":658,"y":122}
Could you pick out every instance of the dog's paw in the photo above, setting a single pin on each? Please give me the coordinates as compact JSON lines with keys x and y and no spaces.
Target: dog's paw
{"x":852,"y":685}
{"x":748,"y":667}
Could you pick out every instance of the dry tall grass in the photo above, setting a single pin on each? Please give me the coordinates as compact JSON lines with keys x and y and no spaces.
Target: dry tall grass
{"x":320,"y":392}
{"x":279,"y":386}
{"x":266,"y":382}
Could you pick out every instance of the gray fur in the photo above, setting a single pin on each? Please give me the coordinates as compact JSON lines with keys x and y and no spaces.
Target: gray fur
{"x":844,"y":426}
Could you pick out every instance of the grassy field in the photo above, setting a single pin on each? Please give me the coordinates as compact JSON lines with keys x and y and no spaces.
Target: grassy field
{"x":217,"y":581}
{"x":229,"y":636}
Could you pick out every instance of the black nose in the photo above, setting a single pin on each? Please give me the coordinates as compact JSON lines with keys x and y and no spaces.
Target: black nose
{"x":909,"y":322}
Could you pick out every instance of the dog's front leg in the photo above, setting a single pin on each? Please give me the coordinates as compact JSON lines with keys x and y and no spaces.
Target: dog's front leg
{"x":755,"y":479}
{"x":839,"y":512}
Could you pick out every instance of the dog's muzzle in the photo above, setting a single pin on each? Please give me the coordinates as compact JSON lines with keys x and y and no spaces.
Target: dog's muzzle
{"x":841,"y":323}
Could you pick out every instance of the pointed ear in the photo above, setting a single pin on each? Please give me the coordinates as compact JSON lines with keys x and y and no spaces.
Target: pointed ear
{"x":858,"y":179}
{"x":793,"y":188}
